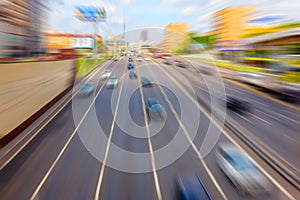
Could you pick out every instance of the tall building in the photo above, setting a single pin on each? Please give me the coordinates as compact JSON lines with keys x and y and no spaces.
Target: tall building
{"x":115,"y":43}
{"x":21,"y":27}
{"x":176,"y":36}
{"x":144,"y":35}
{"x":231,"y":23}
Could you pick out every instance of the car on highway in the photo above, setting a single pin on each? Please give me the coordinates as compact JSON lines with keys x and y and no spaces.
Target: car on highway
{"x":139,"y":58}
{"x":190,"y":187}
{"x":114,"y":59}
{"x":240,"y":170}
{"x":162,"y":55}
{"x":182,"y":64}
{"x":106,"y":74}
{"x":154,"y":110}
{"x":147,"y":58}
{"x":130,"y":66}
{"x":112,"y":82}
{"x":130,"y":59}
{"x":206,"y":70}
{"x":237,"y":104}
{"x":86,"y":89}
{"x":146,"y":81}
{"x":168,"y":61}
{"x":132,"y":74}
{"x":258,"y":79}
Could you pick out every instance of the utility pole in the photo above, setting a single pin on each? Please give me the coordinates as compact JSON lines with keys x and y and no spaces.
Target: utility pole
{"x":95,"y":38}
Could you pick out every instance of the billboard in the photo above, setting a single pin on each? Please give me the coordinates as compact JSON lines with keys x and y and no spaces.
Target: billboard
{"x":90,"y":13}
{"x":83,"y":43}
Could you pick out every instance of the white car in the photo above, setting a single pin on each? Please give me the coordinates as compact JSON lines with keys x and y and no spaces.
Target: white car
{"x":106,"y":74}
{"x":112,"y":82}
{"x":139,"y":59}
{"x":147,"y":59}
{"x":240,"y":170}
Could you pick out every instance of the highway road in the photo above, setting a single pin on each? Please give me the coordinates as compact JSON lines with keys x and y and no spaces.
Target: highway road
{"x":76,"y":156}
{"x":276,"y":125}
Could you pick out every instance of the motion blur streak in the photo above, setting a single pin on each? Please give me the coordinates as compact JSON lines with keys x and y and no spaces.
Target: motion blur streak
{"x":97,"y":103}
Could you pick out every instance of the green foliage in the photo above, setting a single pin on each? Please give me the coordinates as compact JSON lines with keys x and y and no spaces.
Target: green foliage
{"x":289,"y":25}
{"x":101,"y":47}
{"x":293,"y":77}
{"x":84,"y":65}
{"x":208,"y":40}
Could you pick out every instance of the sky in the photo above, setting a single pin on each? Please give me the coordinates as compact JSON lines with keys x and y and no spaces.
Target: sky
{"x":138,"y":14}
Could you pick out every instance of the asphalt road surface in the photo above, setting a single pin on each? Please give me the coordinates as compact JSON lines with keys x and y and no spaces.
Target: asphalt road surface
{"x":83,"y":152}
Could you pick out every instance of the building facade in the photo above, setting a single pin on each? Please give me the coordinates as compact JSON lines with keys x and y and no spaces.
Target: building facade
{"x":230,"y":24}
{"x":21,"y":27}
{"x":175,"y":36}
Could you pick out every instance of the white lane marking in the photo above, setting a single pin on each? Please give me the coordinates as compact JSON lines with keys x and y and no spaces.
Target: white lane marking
{"x":156,"y":180}
{"x":226,"y":134}
{"x":258,"y":102}
{"x":244,"y":118}
{"x":261,"y":119}
{"x":101,"y":175}
{"x":36,"y":191}
{"x":296,"y":115}
{"x":288,"y":118}
{"x":202,"y":89}
{"x":268,"y":115}
{"x":192,"y":143}
{"x":89,"y":77}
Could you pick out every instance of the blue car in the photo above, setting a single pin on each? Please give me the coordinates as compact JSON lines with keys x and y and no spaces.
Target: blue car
{"x":155,"y":110}
{"x":132,"y":74}
{"x":190,"y":187}
{"x":145,"y":81}
{"x":86,"y":89}
{"x":130,"y":66}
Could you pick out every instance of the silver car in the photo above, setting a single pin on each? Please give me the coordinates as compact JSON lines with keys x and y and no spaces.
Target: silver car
{"x":240,"y":170}
{"x":106,"y":74}
{"x":112,"y":82}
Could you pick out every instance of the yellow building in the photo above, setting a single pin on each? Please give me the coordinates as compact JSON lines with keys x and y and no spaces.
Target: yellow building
{"x":230,"y":23}
{"x":176,"y":36}
{"x":255,"y":31}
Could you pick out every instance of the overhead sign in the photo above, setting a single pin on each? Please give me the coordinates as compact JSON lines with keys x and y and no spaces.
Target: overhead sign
{"x":90,"y":13}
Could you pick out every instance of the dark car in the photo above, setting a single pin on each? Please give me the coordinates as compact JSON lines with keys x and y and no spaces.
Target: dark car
{"x":130,"y":59}
{"x":182,"y":64}
{"x":132,"y":74}
{"x":238,"y":105}
{"x":190,"y":187}
{"x":154,"y":110}
{"x":130,"y":66}
{"x":167,"y":62}
{"x":145,"y":81}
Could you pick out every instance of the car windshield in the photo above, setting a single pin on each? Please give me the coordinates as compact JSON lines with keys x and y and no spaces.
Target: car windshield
{"x":145,"y":79}
{"x":239,"y":161}
{"x":152,"y":103}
